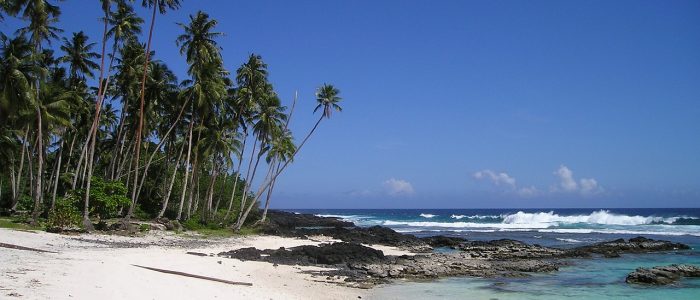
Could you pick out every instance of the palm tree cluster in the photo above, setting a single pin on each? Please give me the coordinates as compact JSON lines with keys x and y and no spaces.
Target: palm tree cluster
{"x":90,"y":113}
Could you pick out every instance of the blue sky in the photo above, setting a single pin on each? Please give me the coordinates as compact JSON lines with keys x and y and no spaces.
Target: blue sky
{"x":472,"y":104}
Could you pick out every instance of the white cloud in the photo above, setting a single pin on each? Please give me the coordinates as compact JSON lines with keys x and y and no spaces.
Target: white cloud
{"x":497,"y":178}
{"x":567,"y":182}
{"x":589,"y":186}
{"x":398,"y":187}
{"x":529,"y":191}
{"x":566,"y":179}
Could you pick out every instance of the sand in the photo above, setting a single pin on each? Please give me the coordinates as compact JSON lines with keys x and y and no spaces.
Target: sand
{"x":94,"y":266}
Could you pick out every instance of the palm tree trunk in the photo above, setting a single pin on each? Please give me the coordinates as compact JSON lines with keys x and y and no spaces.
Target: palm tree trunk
{"x":245,"y":195}
{"x":139,"y":129}
{"x":40,"y":165}
{"x":119,"y":145}
{"x":221,"y":192}
{"x":92,"y":137}
{"x":17,"y":189}
{"x":187,"y":173}
{"x":195,"y":183}
{"x":246,"y":186}
{"x":235,"y":181}
{"x":83,"y":152}
{"x":194,"y":193}
{"x":172,"y":182}
{"x":162,"y":141}
{"x":58,"y":176}
{"x":30,"y":169}
{"x":70,"y":150}
{"x":268,"y":182}
{"x":279,"y":162}
{"x":269,"y":190}
{"x":206,"y":210}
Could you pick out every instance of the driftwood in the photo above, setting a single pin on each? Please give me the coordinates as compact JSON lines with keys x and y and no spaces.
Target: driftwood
{"x":11,"y":246}
{"x":197,"y":253}
{"x":195,"y":276}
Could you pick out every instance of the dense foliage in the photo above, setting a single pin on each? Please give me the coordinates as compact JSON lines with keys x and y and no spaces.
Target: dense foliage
{"x":107,"y":130}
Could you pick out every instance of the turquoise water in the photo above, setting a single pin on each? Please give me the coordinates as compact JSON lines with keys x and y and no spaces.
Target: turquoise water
{"x":586,"y":279}
{"x":597,"y":278}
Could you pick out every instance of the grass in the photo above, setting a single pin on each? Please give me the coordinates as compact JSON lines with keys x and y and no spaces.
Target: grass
{"x":13,"y":223}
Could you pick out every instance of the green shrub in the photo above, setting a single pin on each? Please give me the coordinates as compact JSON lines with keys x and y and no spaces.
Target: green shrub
{"x":64,"y":215}
{"x":193,"y":223}
{"x":106,"y":197}
{"x":144,"y":227}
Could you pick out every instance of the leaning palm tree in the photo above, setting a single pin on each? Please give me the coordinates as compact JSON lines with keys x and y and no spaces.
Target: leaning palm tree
{"x":281,"y":151}
{"x":268,"y":121}
{"x":162,"y":6}
{"x":327,"y":99}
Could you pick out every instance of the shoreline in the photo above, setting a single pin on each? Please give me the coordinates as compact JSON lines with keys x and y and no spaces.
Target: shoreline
{"x":99,"y":266}
{"x":298,"y":256}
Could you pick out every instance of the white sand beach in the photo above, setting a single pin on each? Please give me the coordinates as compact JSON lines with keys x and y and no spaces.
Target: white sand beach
{"x":94,"y":266}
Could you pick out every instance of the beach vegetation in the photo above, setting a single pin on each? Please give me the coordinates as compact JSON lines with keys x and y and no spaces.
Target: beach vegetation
{"x":102,"y":126}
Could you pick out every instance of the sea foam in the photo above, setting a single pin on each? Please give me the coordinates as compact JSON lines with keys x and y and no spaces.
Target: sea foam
{"x":601,"y":217}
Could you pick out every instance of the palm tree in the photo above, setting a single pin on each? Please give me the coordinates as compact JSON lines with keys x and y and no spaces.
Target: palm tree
{"x":207,"y":88}
{"x":252,"y":79}
{"x":268,"y":124}
{"x":281,"y":151}
{"x":79,"y":58}
{"x":41,"y":15}
{"x":327,"y":99}
{"x":162,"y":6}
{"x":16,"y":95}
{"x":126,"y":25}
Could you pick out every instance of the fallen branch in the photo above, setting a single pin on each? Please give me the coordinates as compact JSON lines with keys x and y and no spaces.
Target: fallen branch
{"x":11,"y":246}
{"x":195,"y":276}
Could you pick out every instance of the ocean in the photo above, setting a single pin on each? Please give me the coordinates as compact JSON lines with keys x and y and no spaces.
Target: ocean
{"x":584,"y":279}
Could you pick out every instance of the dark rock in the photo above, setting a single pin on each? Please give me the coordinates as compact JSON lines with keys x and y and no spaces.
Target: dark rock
{"x":620,"y":246}
{"x":304,"y":225}
{"x":443,"y":241}
{"x":282,"y":222}
{"x":662,"y":275}
{"x":507,"y":249}
{"x":326,"y":254}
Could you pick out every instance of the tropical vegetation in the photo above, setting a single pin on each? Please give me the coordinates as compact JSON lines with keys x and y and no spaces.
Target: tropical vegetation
{"x":96,"y":128}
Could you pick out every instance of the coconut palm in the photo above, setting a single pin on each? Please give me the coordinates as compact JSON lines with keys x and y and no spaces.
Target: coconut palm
{"x":162,"y":6}
{"x":268,"y":122}
{"x":281,"y":150}
{"x":79,"y":57}
{"x":198,"y":43}
{"x":41,"y":16}
{"x":327,"y":99}
{"x":17,"y":71}
{"x":207,"y":88}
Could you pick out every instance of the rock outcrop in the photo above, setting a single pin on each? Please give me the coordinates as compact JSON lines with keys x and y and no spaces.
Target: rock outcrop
{"x":662,"y":275}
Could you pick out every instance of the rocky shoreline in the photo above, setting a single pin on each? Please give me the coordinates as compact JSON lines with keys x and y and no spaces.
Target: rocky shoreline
{"x":662,"y":275}
{"x":363,"y":266}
